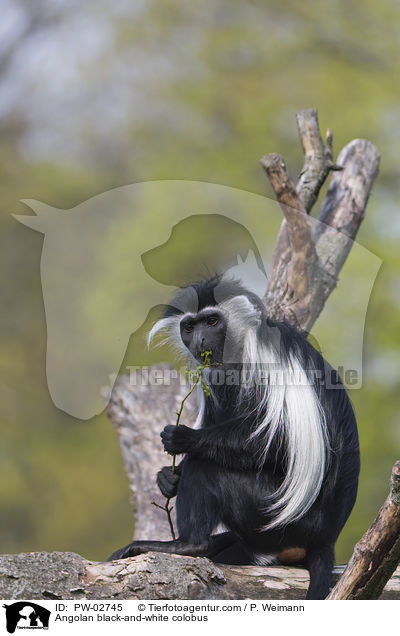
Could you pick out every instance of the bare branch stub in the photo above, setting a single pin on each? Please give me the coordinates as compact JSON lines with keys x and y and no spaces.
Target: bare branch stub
{"x":318,"y":161}
{"x":377,"y":554}
{"x":294,"y":260}
{"x":318,"y":157}
{"x":294,"y":253}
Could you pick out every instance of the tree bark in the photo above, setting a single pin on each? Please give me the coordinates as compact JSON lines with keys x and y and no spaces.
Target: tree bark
{"x":66,"y":575}
{"x":318,"y":157}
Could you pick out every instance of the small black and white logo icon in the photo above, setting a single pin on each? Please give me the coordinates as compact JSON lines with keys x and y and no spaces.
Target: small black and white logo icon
{"x":26,"y":615}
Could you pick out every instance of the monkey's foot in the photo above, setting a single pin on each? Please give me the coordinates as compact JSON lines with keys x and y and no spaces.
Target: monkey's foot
{"x":170,"y":547}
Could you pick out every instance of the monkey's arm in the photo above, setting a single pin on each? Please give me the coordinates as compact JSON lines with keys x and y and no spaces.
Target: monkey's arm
{"x":226,"y":444}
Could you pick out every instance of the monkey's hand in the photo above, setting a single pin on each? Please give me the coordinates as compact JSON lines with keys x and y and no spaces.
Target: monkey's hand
{"x":178,"y":439}
{"x":167,"y":481}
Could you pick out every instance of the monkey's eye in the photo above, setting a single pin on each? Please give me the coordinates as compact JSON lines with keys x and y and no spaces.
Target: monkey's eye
{"x":188,"y":327}
{"x":212,"y":321}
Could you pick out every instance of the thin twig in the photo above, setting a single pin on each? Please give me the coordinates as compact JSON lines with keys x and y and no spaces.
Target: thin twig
{"x":197,"y":374}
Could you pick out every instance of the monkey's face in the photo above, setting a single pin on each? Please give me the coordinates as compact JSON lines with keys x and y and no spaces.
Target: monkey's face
{"x":205,"y":331}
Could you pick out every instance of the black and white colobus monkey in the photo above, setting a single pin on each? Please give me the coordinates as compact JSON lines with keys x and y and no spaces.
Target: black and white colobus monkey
{"x":274,"y":456}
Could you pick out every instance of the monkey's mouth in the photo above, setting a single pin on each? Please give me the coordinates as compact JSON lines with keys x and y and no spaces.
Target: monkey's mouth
{"x":205,"y":357}
{"x":208,"y":357}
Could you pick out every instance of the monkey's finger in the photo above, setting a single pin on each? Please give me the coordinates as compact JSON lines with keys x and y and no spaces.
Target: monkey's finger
{"x":168,"y":474}
{"x":169,"y":429}
{"x":167,"y":440}
{"x":168,"y":490}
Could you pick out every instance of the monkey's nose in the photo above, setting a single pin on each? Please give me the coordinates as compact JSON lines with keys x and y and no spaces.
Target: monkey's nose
{"x":199,"y":343}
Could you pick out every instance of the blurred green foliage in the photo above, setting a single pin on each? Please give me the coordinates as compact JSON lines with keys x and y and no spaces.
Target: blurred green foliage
{"x":110,"y":93}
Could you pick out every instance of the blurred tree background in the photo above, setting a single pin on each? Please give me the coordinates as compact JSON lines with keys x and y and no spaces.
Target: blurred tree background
{"x":104,"y":93}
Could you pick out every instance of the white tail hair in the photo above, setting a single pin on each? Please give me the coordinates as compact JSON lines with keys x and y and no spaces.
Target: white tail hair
{"x":292,"y":415}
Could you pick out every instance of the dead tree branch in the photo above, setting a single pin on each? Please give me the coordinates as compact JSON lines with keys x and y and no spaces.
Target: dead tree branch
{"x":318,"y":161}
{"x":342,"y":212}
{"x":299,"y":285}
{"x":377,"y":554}
{"x":318,"y":157}
{"x":295,"y":251}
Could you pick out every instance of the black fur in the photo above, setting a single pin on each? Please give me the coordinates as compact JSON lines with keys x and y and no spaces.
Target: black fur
{"x":221,"y":480}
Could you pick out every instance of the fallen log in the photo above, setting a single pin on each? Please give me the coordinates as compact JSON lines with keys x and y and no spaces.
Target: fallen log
{"x":66,"y":575}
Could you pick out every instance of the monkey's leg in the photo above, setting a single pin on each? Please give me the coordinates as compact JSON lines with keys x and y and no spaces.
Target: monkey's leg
{"x":199,"y":509}
{"x":227,"y":548}
{"x":319,"y":562}
{"x":171,"y":547}
{"x":198,"y":513}
{"x":212,"y":548}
